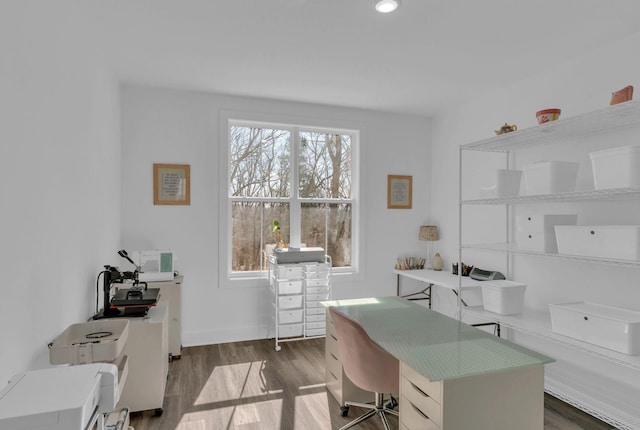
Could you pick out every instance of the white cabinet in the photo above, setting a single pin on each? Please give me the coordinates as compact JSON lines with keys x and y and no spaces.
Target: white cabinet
{"x":297,"y":291}
{"x":147,"y":349}
{"x":594,"y":390}
{"x":171,"y":292}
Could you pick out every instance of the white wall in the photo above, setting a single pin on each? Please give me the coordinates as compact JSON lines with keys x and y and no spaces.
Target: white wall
{"x":171,"y":126}
{"x":60,"y":158}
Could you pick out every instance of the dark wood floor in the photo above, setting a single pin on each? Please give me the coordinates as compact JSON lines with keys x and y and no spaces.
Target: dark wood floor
{"x":250,"y":386}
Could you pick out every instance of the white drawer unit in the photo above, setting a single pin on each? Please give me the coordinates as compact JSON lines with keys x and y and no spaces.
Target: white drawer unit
{"x":298,"y":290}
{"x":425,"y":404}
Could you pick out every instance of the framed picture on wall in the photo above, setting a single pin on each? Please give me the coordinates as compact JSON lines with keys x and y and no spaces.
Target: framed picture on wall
{"x":399,"y":190}
{"x":171,"y":184}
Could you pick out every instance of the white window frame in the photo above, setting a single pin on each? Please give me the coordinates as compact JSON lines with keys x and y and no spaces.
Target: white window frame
{"x":258,"y":278}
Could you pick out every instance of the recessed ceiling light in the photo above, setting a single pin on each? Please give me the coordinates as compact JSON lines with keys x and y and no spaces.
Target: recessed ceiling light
{"x":386,"y":6}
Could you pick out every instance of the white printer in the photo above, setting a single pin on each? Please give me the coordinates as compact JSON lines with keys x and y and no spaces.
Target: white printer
{"x":60,"y":398}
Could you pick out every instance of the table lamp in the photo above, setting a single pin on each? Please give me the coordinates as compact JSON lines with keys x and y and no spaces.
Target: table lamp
{"x":430,"y":234}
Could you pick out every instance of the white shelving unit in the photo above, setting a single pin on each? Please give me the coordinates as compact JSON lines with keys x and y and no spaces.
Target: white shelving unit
{"x":586,"y":390}
{"x":297,"y":290}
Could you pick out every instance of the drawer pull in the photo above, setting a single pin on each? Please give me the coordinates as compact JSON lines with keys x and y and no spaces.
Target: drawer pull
{"x":418,"y":411}
{"x":334,"y":357}
{"x":334,"y":376}
{"x":415,"y":387}
{"x":334,"y":338}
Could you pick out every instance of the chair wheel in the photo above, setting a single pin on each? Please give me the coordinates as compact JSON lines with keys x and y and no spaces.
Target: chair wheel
{"x":344,"y":410}
{"x":392,"y":403}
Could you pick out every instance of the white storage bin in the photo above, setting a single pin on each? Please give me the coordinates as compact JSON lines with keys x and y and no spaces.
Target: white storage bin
{"x":316,"y":325}
{"x":543,"y":222}
{"x":289,"y":302}
{"x":317,"y":290}
{"x":288,"y":317}
{"x":315,"y":305}
{"x":315,"y":332}
{"x":537,"y":241}
{"x":606,"y":326}
{"x":317,"y":311}
{"x":316,"y":297}
{"x":317,"y":275}
{"x":289,"y":272}
{"x":289,"y":287}
{"x":618,"y":242}
{"x":503,"y":297}
{"x":616,"y":168}
{"x":290,"y":330}
{"x":317,"y":282}
{"x":550,"y":177}
{"x":316,"y":267}
{"x":316,"y":318}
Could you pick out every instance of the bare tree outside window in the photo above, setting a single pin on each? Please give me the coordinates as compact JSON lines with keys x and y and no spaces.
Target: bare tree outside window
{"x":261,"y":190}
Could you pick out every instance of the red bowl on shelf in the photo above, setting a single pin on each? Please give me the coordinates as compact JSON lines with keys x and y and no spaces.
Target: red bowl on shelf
{"x":547,"y":115}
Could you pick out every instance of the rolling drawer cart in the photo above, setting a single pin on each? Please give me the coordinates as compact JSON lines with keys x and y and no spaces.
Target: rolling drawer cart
{"x":297,"y":290}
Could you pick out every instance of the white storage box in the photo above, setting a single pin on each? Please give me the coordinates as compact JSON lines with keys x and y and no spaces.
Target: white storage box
{"x":550,"y":177}
{"x":289,"y":302}
{"x":618,"y":242}
{"x":288,"y":317}
{"x":616,"y":168}
{"x":537,"y":241}
{"x":543,"y":222}
{"x":609,"y":327}
{"x":289,"y":287}
{"x":503,"y":297}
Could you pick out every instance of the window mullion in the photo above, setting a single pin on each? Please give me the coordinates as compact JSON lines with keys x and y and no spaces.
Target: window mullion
{"x":295,"y":208}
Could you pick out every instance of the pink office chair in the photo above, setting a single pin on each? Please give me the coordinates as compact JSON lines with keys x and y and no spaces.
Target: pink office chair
{"x":368,"y":366}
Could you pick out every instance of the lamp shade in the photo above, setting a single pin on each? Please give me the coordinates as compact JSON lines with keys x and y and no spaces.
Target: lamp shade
{"x":428,"y":232}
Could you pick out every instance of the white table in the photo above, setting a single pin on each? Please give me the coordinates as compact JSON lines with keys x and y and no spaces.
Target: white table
{"x":434,"y":277}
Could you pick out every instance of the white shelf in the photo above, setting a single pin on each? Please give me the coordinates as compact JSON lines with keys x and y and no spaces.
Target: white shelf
{"x":579,"y":387}
{"x":621,"y":116}
{"x":539,"y":324}
{"x":586,"y":390}
{"x":511,"y":248}
{"x":609,"y":194}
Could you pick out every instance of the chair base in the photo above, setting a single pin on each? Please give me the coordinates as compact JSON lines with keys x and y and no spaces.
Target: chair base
{"x":379,"y":408}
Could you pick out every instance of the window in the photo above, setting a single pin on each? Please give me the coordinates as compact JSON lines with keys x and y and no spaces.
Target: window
{"x":302,"y":177}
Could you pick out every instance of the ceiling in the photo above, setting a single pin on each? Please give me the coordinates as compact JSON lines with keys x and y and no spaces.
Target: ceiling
{"x":427,"y":55}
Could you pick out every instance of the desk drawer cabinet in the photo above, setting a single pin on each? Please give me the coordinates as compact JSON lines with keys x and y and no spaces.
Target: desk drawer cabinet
{"x":489,"y":401}
{"x":420,"y":400}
